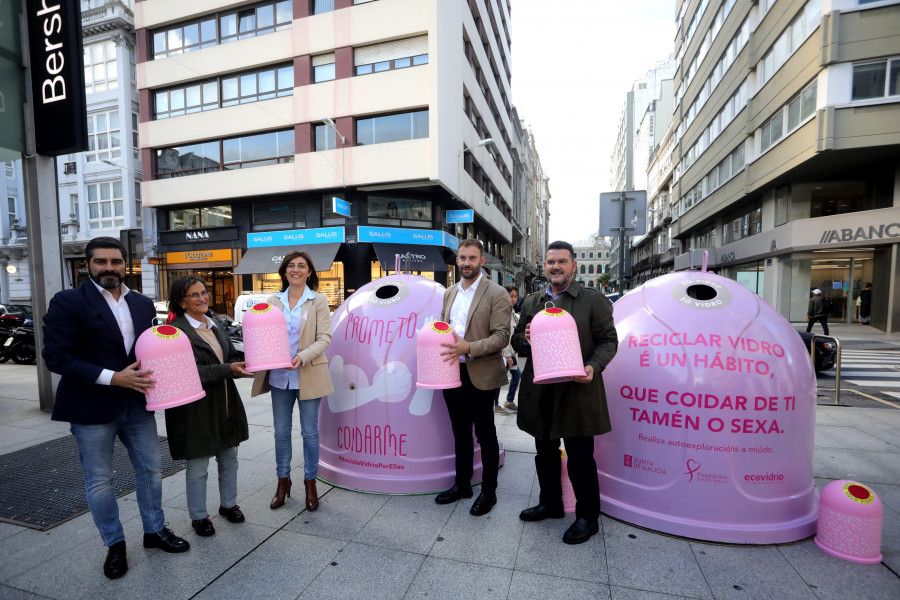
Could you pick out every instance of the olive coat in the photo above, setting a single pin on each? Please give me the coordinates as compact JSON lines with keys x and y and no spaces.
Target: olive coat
{"x":217,"y":421}
{"x":560,"y":410}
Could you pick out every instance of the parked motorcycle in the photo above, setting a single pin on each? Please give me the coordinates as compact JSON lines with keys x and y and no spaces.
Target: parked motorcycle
{"x":20,"y":344}
{"x":5,"y":334}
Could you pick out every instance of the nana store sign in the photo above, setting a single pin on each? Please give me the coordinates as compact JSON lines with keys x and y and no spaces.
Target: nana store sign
{"x":57,"y":76}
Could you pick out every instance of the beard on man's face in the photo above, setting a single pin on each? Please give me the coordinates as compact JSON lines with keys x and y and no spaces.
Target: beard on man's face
{"x":108,"y":280}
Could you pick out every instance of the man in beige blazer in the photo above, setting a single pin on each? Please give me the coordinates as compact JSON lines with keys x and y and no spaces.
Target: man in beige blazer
{"x":478,"y":310}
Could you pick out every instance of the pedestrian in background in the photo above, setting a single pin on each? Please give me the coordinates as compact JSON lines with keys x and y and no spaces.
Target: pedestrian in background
{"x":89,"y":335}
{"x":213,"y":425}
{"x":574,"y":411}
{"x":510,"y":362}
{"x":865,"y":304}
{"x":478,"y":310}
{"x":815,"y":311}
{"x":306,"y":381}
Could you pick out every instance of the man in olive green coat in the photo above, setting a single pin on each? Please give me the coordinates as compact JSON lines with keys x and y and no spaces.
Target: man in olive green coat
{"x":574,"y":411}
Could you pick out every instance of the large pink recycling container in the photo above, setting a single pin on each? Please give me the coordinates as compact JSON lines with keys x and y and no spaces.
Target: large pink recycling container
{"x":712,"y":401}
{"x":166,"y":351}
{"x":850,"y":522}
{"x":265,"y":338}
{"x":555,"y":348}
{"x":433,"y":372}
{"x":378,"y":432}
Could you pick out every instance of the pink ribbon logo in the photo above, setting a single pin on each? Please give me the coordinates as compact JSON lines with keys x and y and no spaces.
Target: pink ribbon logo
{"x":693,"y":466}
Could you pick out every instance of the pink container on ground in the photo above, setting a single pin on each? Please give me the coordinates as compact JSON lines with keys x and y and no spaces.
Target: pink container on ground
{"x":433,"y":372}
{"x":850,"y":522}
{"x":568,"y":494}
{"x":166,"y":351}
{"x":555,"y":348}
{"x":378,"y":431}
{"x":712,"y":400}
{"x":265,"y":338}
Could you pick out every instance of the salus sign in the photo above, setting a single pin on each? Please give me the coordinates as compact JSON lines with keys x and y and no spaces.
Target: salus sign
{"x":57,"y":76}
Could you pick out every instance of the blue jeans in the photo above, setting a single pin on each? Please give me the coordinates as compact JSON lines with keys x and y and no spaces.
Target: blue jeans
{"x":136,"y":427}
{"x":283,"y":412}
{"x":198,"y":472}
{"x":513,"y":386}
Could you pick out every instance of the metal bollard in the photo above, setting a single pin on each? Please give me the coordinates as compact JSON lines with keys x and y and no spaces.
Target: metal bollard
{"x":837,"y":361}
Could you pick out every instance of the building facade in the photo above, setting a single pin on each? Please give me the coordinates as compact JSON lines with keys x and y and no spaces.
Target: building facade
{"x":785,"y":150}
{"x":593,"y":258}
{"x":99,"y":190}
{"x":347,"y":128}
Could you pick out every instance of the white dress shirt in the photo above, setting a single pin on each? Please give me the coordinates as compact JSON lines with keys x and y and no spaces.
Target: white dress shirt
{"x":287,"y":379}
{"x":122,"y":315}
{"x":459,"y":310}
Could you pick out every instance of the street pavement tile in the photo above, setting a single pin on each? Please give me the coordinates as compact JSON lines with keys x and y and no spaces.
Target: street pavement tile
{"x":642,"y":559}
{"x":42,"y":421}
{"x":443,"y":579}
{"x":31,"y":547}
{"x":889,"y":494}
{"x":752,"y":573}
{"x":890,"y":537}
{"x":541,"y":550}
{"x":12,"y":436}
{"x":410,"y":523}
{"x":8,"y":593}
{"x":839,"y":415}
{"x":517,"y":474}
{"x":8,"y":530}
{"x":162,"y":575}
{"x":282,"y":567}
{"x":620,"y":593}
{"x":341,"y":515}
{"x":530,"y":586}
{"x":834,"y":579}
{"x":261,"y":441}
{"x":490,"y":539}
{"x":514,"y":439}
{"x":365,"y":572}
{"x":830,"y":436}
{"x":256,"y":508}
{"x":859,"y":465}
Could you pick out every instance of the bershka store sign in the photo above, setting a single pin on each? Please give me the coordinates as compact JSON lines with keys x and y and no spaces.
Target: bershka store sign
{"x":57,"y":76}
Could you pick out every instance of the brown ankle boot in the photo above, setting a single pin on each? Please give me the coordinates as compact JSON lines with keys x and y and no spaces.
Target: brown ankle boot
{"x":312,"y":496}
{"x":284,"y":489}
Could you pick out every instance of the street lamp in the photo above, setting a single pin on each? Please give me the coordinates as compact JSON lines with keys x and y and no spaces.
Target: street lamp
{"x":479,"y":144}
{"x":330,"y":123}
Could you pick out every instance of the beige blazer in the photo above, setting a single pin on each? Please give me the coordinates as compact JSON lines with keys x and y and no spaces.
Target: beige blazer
{"x":315,"y":337}
{"x":487,"y":331}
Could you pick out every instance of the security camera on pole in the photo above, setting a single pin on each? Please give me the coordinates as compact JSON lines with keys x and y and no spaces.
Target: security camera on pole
{"x":621,"y":212}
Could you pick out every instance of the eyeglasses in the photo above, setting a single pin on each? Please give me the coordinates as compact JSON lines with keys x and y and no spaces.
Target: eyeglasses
{"x":198,"y":295}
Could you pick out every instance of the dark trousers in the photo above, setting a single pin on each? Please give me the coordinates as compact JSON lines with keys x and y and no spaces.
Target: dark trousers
{"x":470,"y":406}
{"x":582,"y":472}
{"x":823,"y":320}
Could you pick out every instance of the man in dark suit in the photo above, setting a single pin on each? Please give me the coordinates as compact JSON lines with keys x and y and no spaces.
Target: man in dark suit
{"x":479,"y":312}
{"x":574,"y":411}
{"x":89,"y":336}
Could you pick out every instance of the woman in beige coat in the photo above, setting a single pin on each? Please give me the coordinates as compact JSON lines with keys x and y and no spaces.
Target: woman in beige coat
{"x":309,"y":334}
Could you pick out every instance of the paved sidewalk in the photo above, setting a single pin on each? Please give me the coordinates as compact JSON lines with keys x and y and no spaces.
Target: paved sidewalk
{"x":373,"y":546}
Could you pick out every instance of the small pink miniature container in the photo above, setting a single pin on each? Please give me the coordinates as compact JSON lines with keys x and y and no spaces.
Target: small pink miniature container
{"x":166,"y":351}
{"x":433,"y":372}
{"x":850,"y":522}
{"x":555,"y":348}
{"x":265,"y":338}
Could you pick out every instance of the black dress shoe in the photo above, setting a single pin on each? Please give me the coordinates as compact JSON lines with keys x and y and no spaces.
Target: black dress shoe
{"x":233,"y":514}
{"x":541,"y":512}
{"x":483,"y":504}
{"x":581,"y":531}
{"x":452,"y":495}
{"x":203,"y":527}
{"x":116,"y":563}
{"x":166,"y":540}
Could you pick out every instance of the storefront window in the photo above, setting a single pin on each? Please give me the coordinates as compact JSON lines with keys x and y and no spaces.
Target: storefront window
{"x":378,"y":272}
{"x":403,"y":212}
{"x":329,"y":217}
{"x":742,"y":223}
{"x":331,"y":283}
{"x":280,"y":214}
{"x":751,"y":275}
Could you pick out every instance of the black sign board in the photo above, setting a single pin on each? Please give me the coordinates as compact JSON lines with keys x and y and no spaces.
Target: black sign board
{"x":196,"y":236}
{"x":57,"y":76}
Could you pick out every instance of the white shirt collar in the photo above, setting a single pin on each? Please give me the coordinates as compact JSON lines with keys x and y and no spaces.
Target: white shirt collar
{"x":106,"y":292}
{"x":196,"y":324}
{"x":472,"y":288}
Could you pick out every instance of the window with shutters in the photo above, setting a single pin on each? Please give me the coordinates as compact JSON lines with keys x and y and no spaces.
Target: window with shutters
{"x":323,"y":67}
{"x":398,"y":54}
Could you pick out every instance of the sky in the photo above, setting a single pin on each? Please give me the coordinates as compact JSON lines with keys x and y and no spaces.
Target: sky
{"x":573,"y":61}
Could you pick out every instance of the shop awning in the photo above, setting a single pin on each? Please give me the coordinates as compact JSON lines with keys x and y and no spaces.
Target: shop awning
{"x":267,"y":260}
{"x":421,"y":258}
{"x":491,"y":262}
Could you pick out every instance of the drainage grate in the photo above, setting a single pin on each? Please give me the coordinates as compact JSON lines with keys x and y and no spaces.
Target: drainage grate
{"x":43,"y":486}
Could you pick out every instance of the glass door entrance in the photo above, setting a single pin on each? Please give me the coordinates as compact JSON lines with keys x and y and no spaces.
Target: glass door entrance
{"x":841,"y":277}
